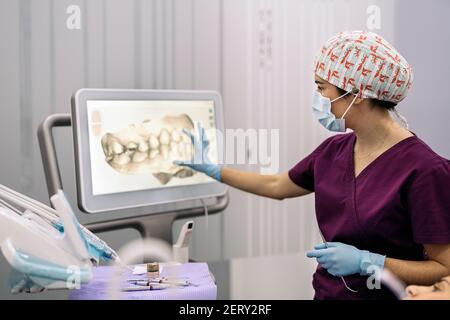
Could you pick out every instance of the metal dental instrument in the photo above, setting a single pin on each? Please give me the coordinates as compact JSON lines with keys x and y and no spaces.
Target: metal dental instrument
{"x":343,"y":279}
{"x":145,"y":282}
{"x":149,"y":287}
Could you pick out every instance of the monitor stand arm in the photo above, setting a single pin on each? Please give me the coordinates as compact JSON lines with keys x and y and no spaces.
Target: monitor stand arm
{"x":156,"y":225}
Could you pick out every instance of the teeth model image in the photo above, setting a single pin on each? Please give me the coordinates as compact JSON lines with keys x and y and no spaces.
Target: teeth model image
{"x":151,"y":147}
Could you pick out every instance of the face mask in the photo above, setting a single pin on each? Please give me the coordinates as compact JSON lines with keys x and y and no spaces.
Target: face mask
{"x":322,"y":111}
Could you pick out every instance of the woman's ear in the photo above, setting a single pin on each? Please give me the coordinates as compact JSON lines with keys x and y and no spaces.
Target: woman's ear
{"x":355,"y":91}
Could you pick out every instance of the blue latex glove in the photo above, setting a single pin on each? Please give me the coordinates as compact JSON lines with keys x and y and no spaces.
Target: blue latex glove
{"x":342,"y":260}
{"x":200,"y":161}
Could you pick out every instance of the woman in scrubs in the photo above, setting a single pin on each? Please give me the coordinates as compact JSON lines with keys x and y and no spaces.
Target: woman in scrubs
{"x":382,"y":196}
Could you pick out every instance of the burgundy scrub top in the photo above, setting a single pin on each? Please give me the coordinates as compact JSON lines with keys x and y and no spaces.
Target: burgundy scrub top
{"x":399,"y":202}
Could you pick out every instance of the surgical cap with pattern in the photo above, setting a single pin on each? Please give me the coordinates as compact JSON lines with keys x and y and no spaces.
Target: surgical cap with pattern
{"x":365,"y":61}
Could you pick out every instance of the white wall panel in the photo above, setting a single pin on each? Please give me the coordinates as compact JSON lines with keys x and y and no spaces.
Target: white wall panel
{"x":119,"y":43}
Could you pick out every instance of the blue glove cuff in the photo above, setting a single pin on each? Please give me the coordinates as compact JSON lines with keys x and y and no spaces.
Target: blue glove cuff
{"x":370,"y":261}
{"x":216,"y":172}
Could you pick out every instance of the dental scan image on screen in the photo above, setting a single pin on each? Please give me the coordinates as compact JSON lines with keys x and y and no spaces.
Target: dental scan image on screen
{"x":133,"y":143}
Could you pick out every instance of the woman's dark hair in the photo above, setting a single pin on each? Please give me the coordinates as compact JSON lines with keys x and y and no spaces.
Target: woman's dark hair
{"x":388,"y":105}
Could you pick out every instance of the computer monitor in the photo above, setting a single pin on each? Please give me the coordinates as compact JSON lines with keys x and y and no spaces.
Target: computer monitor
{"x":125,"y":142}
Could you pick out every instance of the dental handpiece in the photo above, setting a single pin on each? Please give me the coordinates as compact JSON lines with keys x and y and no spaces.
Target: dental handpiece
{"x":182,"y":283}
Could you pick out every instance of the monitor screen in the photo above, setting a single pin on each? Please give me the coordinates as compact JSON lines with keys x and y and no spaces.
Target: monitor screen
{"x":125,"y":142}
{"x":133,"y":143}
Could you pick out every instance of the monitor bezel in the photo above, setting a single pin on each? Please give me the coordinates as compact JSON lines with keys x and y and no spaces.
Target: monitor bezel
{"x":90,"y":203}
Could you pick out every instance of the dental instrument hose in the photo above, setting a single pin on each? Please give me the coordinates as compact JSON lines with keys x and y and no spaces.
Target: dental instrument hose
{"x":342,"y":278}
{"x":205,"y":209}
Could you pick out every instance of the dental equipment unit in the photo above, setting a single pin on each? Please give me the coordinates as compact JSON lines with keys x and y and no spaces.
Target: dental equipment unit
{"x":47,"y":248}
